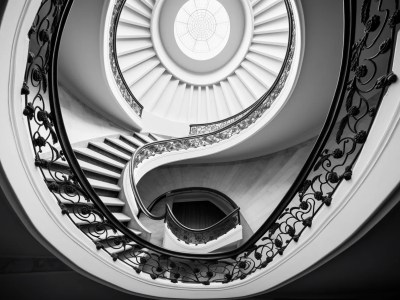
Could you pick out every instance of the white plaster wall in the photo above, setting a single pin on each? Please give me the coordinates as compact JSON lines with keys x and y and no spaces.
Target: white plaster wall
{"x":82,"y":122}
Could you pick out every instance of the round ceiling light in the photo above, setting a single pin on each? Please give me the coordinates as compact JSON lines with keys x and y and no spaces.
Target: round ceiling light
{"x":202,"y":29}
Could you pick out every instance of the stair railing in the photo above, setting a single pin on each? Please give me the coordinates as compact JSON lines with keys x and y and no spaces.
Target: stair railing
{"x":212,"y":192}
{"x":205,"y":235}
{"x":364,"y":77}
{"x":199,"y":236}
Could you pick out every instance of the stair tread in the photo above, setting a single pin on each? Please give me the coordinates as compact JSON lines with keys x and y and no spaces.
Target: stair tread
{"x":134,"y":140}
{"x":121,"y":144}
{"x":93,"y":182}
{"x":148,"y":3}
{"x":93,"y":168}
{"x":97,"y":184}
{"x":109,"y":201}
{"x":128,"y":247}
{"x":156,"y":137}
{"x":144,"y":137}
{"x":136,"y":7}
{"x":109,"y":233}
{"x":100,"y":157}
{"x":93,"y":220}
{"x":111,"y":150}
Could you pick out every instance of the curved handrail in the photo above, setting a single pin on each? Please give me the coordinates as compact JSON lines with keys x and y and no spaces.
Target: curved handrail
{"x":171,"y":214}
{"x":192,"y":189}
{"x":203,"y":128}
{"x":204,"y":235}
{"x":116,"y":70}
{"x":312,"y":190}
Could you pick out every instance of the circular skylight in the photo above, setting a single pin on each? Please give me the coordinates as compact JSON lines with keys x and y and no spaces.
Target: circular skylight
{"x":202,"y":29}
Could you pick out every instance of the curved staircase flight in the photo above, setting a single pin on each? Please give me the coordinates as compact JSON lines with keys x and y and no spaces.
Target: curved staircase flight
{"x":165,"y":95}
{"x":103,"y":162}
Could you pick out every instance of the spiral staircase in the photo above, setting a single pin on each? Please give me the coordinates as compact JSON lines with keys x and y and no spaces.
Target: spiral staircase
{"x":88,"y":180}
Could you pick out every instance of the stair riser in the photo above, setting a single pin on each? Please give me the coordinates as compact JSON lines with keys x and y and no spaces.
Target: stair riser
{"x":109,"y":155}
{"x":129,"y":143}
{"x":75,"y":209}
{"x":89,"y":174}
{"x":140,"y":139}
{"x":98,"y":163}
{"x":106,"y":193}
{"x":126,"y":152}
{"x":101,"y":177}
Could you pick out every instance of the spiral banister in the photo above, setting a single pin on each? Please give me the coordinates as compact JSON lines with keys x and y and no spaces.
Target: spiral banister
{"x":365,"y":75}
{"x":205,"y":235}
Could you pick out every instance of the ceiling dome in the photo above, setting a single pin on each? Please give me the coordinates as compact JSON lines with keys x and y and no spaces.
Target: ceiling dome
{"x":201,"y":61}
{"x":202,"y":29}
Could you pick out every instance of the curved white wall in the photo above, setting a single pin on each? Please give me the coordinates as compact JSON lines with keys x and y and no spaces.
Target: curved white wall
{"x":84,"y":66}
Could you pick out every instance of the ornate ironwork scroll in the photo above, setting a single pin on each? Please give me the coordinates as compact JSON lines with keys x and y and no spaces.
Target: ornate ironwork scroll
{"x":366,"y":74}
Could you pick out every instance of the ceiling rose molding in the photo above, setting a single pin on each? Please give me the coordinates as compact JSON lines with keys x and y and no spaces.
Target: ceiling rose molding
{"x":202,"y":29}
{"x":201,"y":68}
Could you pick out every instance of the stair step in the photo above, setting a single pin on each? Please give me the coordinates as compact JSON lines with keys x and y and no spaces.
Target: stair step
{"x":263,"y":20}
{"x":264,"y":77}
{"x":146,"y":82}
{"x":268,"y":64}
{"x":134,"y":22}
{"x":234,"y":105}
{"x":252,"y":84}
{"x":139,"y":8}
{"x":109,"y":233}
{"x":109,"y":201}
{"x":264,"y":6}
{"x":278,"y":39}
{"x":94,"y":218}
{"x":133,"y":140}
{"x":271,"y":51}
{"x":121,"y":144}
{"x":111,"y":150}
{"x":130,"y":61}
{"x":143,"y":137}
{"x":241,"y":91}
{"x":151,"y":98}
{"x":125,"y":47}
{"x":148,"y":3}
{"x":92,"y":168}
{"x":121,"y":248}
{"x":136,"y":73}
{"x":155,"y":137}
{"x":176,"y":106}
{"x":96,"y":184}
{"x":97,"y":156}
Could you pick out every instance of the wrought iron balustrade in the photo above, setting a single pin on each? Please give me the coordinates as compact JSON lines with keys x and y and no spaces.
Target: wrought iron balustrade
{"x":365,"y":75}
